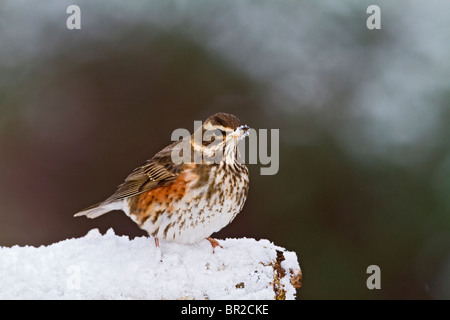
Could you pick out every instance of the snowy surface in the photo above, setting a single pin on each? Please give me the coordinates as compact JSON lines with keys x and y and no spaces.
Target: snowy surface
{"x":108,"y":266}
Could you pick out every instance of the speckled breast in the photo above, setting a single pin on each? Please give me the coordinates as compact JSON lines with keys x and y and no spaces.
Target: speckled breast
{"x":198,"y":203}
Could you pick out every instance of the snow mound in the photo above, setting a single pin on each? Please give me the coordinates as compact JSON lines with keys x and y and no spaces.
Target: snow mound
{"x":108,"y":266}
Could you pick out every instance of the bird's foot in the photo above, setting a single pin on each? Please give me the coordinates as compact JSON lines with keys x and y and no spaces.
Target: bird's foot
{"x":214,"y":243}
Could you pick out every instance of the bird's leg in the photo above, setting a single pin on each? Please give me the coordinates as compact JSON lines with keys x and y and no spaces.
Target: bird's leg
{"x":214,"y":243}
{"x":157,"y":242}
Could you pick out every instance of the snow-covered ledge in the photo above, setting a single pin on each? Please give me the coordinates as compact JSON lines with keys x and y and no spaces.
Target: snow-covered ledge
{"x":108,"y":266}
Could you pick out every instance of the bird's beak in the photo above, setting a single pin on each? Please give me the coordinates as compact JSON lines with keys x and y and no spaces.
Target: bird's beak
{"x":242,"y":131}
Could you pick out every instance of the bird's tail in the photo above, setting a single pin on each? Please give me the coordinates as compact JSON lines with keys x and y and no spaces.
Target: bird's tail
{"x":99,"y":209}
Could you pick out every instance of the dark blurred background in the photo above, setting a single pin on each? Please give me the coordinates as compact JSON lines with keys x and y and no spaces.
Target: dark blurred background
{"x":363,"y":115}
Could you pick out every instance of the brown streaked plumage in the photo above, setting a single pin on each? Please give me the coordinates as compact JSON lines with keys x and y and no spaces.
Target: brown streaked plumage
{"x":186,"y":202}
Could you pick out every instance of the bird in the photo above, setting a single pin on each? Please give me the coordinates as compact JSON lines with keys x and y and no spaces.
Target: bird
{"x":186,"y":202}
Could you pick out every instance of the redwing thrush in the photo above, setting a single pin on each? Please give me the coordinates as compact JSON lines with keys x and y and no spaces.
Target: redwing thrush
{"x":186,"y":202}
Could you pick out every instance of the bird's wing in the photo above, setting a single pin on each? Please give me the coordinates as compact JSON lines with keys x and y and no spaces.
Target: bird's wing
{"x":158,"y":171}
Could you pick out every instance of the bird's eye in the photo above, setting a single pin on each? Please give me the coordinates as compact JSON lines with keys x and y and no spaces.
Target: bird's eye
{"x":219,"y":132}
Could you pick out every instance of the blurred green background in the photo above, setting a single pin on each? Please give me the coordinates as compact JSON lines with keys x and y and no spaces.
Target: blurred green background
{"x":363,"y":115}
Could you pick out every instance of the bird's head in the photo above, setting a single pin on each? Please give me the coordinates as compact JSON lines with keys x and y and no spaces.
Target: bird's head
{"x":223,"y":131}
{"x":226,"y":125}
